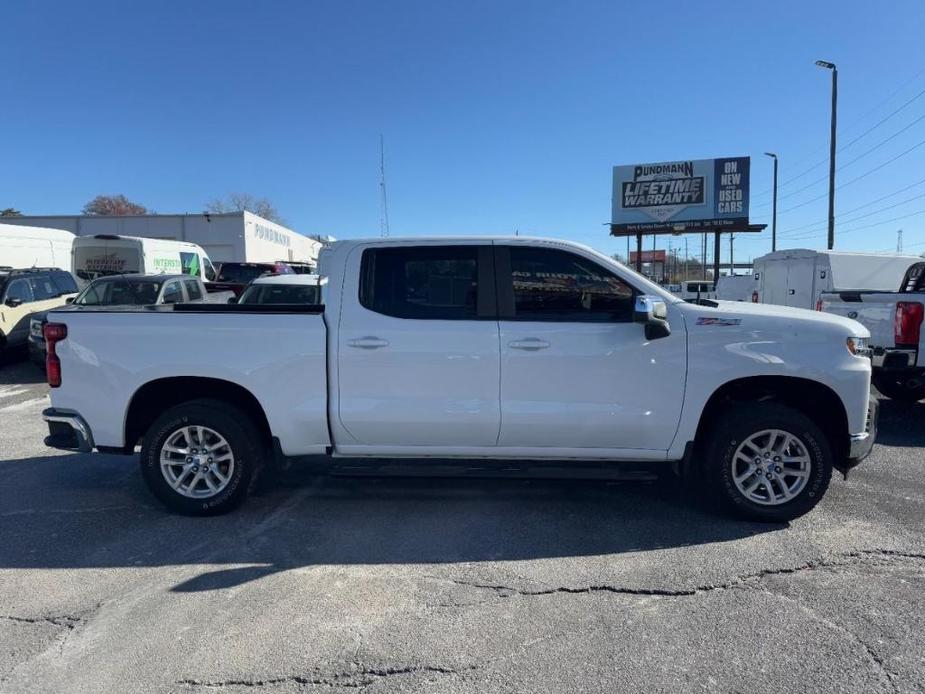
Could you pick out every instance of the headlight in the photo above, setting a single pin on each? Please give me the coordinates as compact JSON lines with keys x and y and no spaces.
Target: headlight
{"x":858,"y":346}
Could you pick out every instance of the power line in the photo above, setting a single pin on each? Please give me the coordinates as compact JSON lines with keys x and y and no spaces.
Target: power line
{"x":855,"y":209}
{"x":862,"y":135}
{"x":865,"y":226}
{"x":857,"y":178}
{"x":869,"y":214}
{"x":852,"y":161}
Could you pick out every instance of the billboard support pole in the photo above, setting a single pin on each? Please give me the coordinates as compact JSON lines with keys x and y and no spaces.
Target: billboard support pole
{"x":716,"y":247}
{"x":639,"y":252}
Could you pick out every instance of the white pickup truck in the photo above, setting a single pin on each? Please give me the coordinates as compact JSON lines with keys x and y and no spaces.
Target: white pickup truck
{"x":895,"y":323}
{"x":506,"y":349}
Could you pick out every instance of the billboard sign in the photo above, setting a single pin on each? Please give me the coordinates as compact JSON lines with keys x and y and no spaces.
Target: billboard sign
{"x":693,"y":195}
{"x":648,"y":257}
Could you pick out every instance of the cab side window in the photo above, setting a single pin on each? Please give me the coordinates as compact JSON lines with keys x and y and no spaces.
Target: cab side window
{"x":421,"y":282}
{"x":555,"y":285}
{"x":192,"y":290}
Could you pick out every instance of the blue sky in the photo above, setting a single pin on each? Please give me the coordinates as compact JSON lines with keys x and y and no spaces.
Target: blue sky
{"x":497,"y":116}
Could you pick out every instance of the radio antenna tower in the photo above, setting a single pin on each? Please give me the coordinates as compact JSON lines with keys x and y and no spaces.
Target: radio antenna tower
{"x":384,"y":211}
{"x":899,"y":241}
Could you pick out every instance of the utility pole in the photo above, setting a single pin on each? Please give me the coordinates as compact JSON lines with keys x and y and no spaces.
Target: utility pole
{"x":899,"y":241}
{"x":831,"y":66}
{"x":704,"y":259}
{"x":773,"y":205}
{"x":686,"y":258}
{"x":384,"y":212}
{"x":732,"y":265}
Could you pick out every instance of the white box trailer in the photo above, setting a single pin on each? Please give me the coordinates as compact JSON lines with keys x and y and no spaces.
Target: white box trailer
{"x":798,"y":276}
{"x":31,"y":246}
{"x":232,"y":237}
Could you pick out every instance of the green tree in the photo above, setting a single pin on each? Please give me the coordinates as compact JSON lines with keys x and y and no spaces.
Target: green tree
{"x":10,"y":212}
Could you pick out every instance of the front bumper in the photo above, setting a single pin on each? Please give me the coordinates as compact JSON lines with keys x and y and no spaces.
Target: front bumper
{"x":67,"y":431}
{"x":860,"y":445}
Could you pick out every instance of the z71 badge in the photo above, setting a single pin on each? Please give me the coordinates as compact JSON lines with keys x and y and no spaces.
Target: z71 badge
{"x":704,"y":320}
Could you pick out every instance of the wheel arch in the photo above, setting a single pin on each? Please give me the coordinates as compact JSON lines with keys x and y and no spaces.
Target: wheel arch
{"x":154,"y":397}
{"x":814,"y":399}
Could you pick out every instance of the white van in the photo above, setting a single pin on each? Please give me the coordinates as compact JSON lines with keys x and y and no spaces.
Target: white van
{"x":798,"y":276}
{"x":96,"y":256}
{"x":735,"y":288}
{"x":24,"y":247}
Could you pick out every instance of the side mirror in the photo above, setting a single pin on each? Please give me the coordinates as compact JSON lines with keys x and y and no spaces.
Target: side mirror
{"x":13,"y":302}
{"x":652,"y":312}
{"x":232,"y":300}
{"x":70,"y":300}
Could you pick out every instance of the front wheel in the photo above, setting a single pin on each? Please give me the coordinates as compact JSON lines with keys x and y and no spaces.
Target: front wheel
{"x":767,"y":462}
{"x":902,"y":388}
{"x":199,"y":457}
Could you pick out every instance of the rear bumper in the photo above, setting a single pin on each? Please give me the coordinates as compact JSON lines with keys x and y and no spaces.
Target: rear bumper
{"x":67,"y":431}
{"x":861,"y":444}
{"x":893,"y":358}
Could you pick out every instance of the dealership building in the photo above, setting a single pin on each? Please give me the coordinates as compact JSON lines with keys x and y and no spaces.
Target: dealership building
{"x":235,"y":236}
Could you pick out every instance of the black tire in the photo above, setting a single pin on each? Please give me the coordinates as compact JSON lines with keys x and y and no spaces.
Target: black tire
{"x":903,"y":389}
{"x":236,"y":427}
{"x":736,"y":425}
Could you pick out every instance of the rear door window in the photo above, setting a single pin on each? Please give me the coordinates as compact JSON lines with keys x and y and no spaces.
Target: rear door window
{"x":43,"y":288}
{"x":424,"y":282}
{"x":64,"y":282}
{"x":192,"y":290}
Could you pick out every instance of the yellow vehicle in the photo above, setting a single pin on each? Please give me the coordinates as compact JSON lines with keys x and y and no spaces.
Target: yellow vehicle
{"x":27,"y":291}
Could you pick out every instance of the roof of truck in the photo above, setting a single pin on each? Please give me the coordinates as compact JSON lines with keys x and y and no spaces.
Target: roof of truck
{"x":291,"y":279}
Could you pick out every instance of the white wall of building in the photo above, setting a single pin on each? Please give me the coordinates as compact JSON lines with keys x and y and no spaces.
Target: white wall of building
{"x":238,"y":236}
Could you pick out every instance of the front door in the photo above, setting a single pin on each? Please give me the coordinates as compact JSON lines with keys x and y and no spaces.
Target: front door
{"x":576,"y":371}
{"x":417,"y":357}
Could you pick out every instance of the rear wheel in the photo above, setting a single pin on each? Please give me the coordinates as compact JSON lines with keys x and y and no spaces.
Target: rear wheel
{"x":767,"y":462}
{"x":902,"y":388}
{"x":199,"y":458}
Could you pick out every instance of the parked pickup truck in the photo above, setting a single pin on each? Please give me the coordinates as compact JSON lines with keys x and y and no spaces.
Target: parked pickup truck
{"x":894,"y":320}
{"x":506,"y":349}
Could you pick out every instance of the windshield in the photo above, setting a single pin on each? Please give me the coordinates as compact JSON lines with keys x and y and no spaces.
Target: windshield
{"x":119,"y":292}
{"x":281,"y":294}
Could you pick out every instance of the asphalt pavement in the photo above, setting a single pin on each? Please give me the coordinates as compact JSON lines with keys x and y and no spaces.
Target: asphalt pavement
{"x":451,"y":585}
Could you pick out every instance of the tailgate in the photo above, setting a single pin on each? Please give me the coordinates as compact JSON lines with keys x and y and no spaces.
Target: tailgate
{"x":874,"y":311}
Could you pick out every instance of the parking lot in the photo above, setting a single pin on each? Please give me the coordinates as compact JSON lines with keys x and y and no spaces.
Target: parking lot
{"x":458,"y":585}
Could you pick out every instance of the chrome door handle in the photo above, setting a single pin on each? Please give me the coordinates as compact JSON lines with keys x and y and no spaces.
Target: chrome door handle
{"x":530,"y":344}
{"x":368,"y":342}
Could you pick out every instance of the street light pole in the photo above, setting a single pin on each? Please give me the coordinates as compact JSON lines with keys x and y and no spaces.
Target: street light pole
{"x":774,"y":205}
{"x":831,"y":66}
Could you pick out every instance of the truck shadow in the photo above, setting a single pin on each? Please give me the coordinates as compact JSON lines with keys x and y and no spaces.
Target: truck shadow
{"x":16,"y":369}
{"x":901,"y":423}
{"x":72,"y":511}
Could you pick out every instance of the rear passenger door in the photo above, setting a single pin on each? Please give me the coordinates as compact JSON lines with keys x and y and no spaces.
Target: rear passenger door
{"x":417,"y":355}
{"x":578,"y":376}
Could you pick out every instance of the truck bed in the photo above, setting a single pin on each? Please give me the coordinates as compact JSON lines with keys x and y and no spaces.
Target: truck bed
{"x":277,"y":353}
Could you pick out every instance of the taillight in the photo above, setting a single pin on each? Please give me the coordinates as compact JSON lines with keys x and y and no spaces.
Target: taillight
{"x":818,"y":304}
{"x":754,"y":297}
{"x":54,"y":333}
{"x":907,"y":323}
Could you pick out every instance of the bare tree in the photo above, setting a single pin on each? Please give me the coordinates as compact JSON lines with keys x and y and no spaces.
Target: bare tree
{"x":113,"y":205}
{"x":245,"y":202}
{"x":10,"y":212}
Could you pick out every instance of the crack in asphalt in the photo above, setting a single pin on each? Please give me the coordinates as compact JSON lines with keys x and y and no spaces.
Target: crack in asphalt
{"x":357,"y":679}
{"x":740,"y":581}
{"x":67,"y":621}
